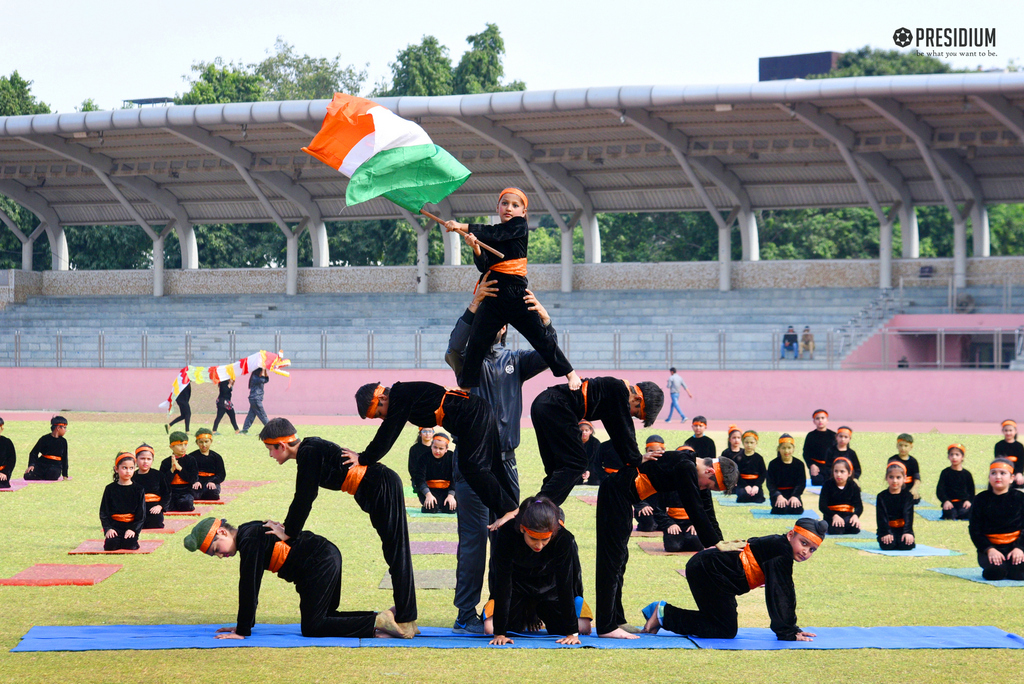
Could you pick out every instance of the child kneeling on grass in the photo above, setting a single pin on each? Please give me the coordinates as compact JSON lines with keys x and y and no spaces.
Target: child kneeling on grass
{"x":718,"y":575}
{"x":123,"y":507}
{"x":955,"y":489}
{"x":309,"y":561}
{"x":840,"y":502}
{"x":894,"y":511}
{"x":997,"y":521}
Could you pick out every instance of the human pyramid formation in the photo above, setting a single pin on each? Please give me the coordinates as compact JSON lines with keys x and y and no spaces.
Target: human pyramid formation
{"x":535,"y":576}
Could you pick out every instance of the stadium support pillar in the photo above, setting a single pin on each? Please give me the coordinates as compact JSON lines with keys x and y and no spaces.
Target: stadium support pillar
{"x":979,"y":226}
{"x":908,"y":229}
{"x":591,"y":239}
{"x":26,"y":240}
{"x":292,"y":265}
{"x":567,"y":258}
{"x":724,"y":258}
{"x":959,"y":251}
{"x":187,"y":242}
{"x":318,"y":238}
{"x":422,"y":257}
{"x":452,"y":248}
{"x":885,"y":254}
{"x":58,"y":248}
{"x":748,"y":235}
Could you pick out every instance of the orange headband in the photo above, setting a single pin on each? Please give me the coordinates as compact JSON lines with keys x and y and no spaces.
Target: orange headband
{"x":143,"y":448}
{"x":281,"y":440}
{"x":444,"y":439}
{"x":180,"y":441}
{"x":1008,"y":422}
{"x":587,"y":423}
{"x":57,"y":425}
{"x":808,"y":534}
{"x":687,"y":447}
{"x":815,"y":414}
{"x":205,"y":546}
{"x":518,"y":193}
{"x":699,"y":422}
{"x":844,"y":430}
{"x":534,"y":534}
{"x":752,"y":433}
{"x":957,"y":446}
{"x":124,"y":454}
{"x":643,"y":404}
{"x":843,"y":458}
{"x":732,"y":429}
{"x":999,"y":465}
{"x":372,"y":409}
{"x":718,"y":476}
{"x":661,"y":444}
{"x":786,"y":440}
{"x":896,"y":463}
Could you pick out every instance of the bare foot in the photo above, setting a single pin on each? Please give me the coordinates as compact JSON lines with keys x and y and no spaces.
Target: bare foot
{"x":574,"y":380}
{"x":618,"y":633}
{"x":385,"y":623}
{"x":653,"y":624}
{"x":629,"y":628}
{"x":408,"y":629}
{"x":584,"y":626}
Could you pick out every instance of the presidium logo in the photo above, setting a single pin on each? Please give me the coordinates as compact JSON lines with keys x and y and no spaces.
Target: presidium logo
{"x":945,"y":37}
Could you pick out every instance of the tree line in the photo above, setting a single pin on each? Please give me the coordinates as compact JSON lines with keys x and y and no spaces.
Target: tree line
{"x":427,"y":68}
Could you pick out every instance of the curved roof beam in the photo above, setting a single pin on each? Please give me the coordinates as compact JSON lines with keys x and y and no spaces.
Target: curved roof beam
{"x":34,"y":202}
{"x":1003,"y":110}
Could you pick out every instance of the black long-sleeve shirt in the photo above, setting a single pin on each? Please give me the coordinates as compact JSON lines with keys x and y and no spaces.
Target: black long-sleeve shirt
{"x":607,"y":400}
{"x":224,"y":390}
{"x":913,"y":469}
{"x":429,"y":468}
{"x":833,"y":453}
{"x":832,"y":495}
{"x":408,"y":402}
{"x":955,"y":485}
{"x":752,"y":470}
{"x":993,"y":513}
{"x":593,"y":448}
{"x":1013,"y":451}
{"x":704,"y":446}
{"x":787,"y":479}
{"x":417,"y":451}
{"x":123,"y":499}
{"x":153,"y":482}
{"x":894,"y":507}
{"x":816,"y":445}
{"x":209,"y":468}
{"x":318,"y":463}
{"x":187,"y":476}
{"x":48,"y":445}
{"x":8,"y":457}
{"x":674,"y":471}
{"x":516,"y":567}
{"x":511,"y":238}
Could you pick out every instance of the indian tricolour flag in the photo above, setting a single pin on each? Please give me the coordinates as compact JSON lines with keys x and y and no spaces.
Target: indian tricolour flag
{"x":384,"y":154}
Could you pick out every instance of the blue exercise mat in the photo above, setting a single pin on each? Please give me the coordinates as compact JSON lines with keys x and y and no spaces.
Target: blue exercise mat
{"x":933,"y":514}
{"x":767,"y":513}
{"x":442,"y":637}
{"x":919,"y":550}
{"x":161,"y":637}
{"x":829,"y":638}
{"x":731,"y":501}
{"x":863,"y":534}
{"x":974,"y":575}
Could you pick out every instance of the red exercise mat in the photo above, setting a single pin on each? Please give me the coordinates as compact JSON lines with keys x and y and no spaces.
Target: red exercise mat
{"x":592,"y":500}
{"x":15,"y":486}
{"x":95,"y":547}
{"x":218,"y":502}
{"x":201,"y":510}
{"x":170,"y":526}
{"x":638,"y":533}
{"x":58,"y":574}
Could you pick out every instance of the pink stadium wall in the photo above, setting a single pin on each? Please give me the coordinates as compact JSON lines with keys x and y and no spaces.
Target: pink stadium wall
{"x":908,"y":395}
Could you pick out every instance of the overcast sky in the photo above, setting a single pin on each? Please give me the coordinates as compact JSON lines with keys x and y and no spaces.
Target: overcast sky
{"x":125,"y":49}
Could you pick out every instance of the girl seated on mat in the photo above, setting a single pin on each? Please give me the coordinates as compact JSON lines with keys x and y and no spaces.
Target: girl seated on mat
{"x":786,"y":479}
{"x":210,"y":468}
{"x":752,"y":471}
{"x":534,"y":576}
{"x":154,"y":488}
{"x":1012,"y":450}
{"x":894,"y":511}
{"x":997,"y":520}
{"x":123,"y":507}
{"x":420,"y":449}
{"x":955,"y":489}
{"x":432,"y":477}
{"x":735,"y":448}
{"x":729,"y":569}
{"x":840,"y":502}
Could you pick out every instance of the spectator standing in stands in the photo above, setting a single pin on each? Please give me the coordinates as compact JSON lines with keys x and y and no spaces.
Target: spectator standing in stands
{"x":807,"y":343}
{"x":789,"y":343}
{"x":675,"y":383}
{"x":257,"y":379}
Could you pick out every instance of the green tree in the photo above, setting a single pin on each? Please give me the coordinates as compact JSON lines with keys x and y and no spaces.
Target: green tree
{"x":819,"y":234}
{"x":480,"y":70}
{"x":105,"y":248}
{"x":289,"y":76}
{"x":655,"y":237}
{"x":868,"y":61}
{"x":16,"y":97}
{"x":219,"y":83}
{"x":424,"y":69}
{"x":88,"y":105}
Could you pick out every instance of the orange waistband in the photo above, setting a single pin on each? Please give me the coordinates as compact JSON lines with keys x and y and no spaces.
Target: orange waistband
{"x":677,"y":513}
{"x":177,"y":480}
{"x":124,"y":517}
{"x":1003,"y":539}
{"x":152,"y":498}
{"x":752,"y":476}
{"x":1012,"y":459}
{"x":610,"y":471}
{"x":755,"y":576}
{"x":353,"y":478}
{"x":644,"y":488}
{"x":279,"y":556}
{"x":202,"y":474}
{"x":583,"y":388}
{"x":439,"y":413}
{"x":897,"y":523}
{"x":781,"y":488}
{"x":814,"y":460}
{"x":439,"y":484}
{"x":910,"y":479}
{"x":52,"y":458}
{"x":841,"y":508}
{"x":511,"y":267}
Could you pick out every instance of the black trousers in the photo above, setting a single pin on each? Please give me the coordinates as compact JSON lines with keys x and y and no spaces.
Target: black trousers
{"x":561,"y":446}
{"x":44,"y":471}
{"x":897,"y":542}
{"x":120,"y":543}
{"x":645,"y":523}
{"x":994,"y":573}
{"x":614,"y":525}
{"x":682,"y":542}
{"x":204,"y":493}
{"x":154,"y":521}
{"x":819,"y":479}
{"x":716,"y":615}
{"x":743,"y":497}
{"x":320,"y":594}
{"x":440,"y":506}
{"x":508,"y":308}
{"x":5,"y":483}
{"x":525,"y":608}
{"x":789,"y":510}
{"x":380,"y":495}
{"x":185,"y":415}
{"x":845,"y":529}
{"x":478,"y":454}
{"x":181,"y":499}
{"x":221,"y":412}
{"x":958,"y":512}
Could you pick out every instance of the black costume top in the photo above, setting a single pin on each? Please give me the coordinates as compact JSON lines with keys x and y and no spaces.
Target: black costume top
{"x":153,"y":482}
{"x":833,"y":453}
{"x":774,"y":555}
{"x":517,"y":567}
{"x":8,"y":457}
{"x":993,"y":513}
{"x":832,"y":495}
{"x":48,"y":445}
{"x":787,"y":479}
{"x":610,"y":459}
{"x":188,"y":475}
{"x":704,"y":446}
{"x":224,"y":390}
{"x":607,"y":400}
{"x":318,"y":463}
{"x":673,"y":471}
{"x":913,"y":469}
{"x":1013,"y":452}
{"x":416,"y":452}
{"x":511,"y":238}
{"x":816,"y":445}
{"x":955,"y":485}
{"x":210,"y":468}
{"x":751,"y":469}
{"x":255,"y":550}
{"x":894,"y":508}
{"x":593,"y":448}
{"x":119,"y":499}
{"x":429,"y":469}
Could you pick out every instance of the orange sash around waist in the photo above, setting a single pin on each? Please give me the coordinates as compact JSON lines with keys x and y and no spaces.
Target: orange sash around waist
{"x":1003,"y":539}
{"x":755,"y":576}
{"x":177,"y":480}
{"x":841,"y":508}
{"x":511,"y":267}
{"x":677,"y":513}
{"x":202,"y":474}
{"x":1012,"y":459}
{"x":279,"y":556}
{"x":610,"y":471}
{"x":583,"y":389}
{"x":51,"y":457}
{"x":781,"y":488}
{"x":814,"y":460}
{"x":644,"y":488}
{"x":750,"y":476}
{"x":897,"y":523}
{"x":153,"y":498}
{"x":353,"y":478}
{"x":439,"y":484}
{"x":124,"y":517}
{"x":439,"y":413}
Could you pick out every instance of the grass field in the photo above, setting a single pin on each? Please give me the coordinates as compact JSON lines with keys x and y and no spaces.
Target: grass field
{"x":838,"y":587}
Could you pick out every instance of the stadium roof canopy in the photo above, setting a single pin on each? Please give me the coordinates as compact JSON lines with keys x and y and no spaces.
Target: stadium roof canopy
{"x":888,"y":143}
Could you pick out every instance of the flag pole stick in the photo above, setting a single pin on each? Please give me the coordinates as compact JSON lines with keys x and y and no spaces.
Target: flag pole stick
{"x":482,"y":245}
